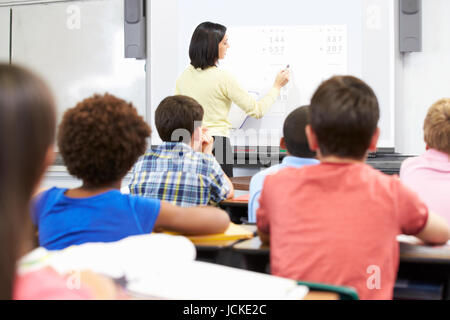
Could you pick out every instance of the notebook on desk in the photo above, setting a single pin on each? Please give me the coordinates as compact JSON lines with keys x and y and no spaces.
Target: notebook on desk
{"x":198,"y":280}
{"x":164,"y":267}
{"x":234,"y":232}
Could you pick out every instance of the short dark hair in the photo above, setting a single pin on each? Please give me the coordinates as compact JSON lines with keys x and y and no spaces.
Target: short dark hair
{"x":204,"y":47}
{"x":294,"y":133}
{"x":344,"y":114}
{"x":177,"y":112}
{"x":101,"y":138}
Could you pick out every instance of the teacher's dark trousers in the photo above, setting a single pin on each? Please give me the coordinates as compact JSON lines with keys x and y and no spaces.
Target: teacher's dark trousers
{"x":224,"y":154}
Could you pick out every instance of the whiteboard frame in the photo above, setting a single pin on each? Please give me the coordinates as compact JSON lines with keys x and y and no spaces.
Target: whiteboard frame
{"x":5,"y":33}
{"x":384,"y":76}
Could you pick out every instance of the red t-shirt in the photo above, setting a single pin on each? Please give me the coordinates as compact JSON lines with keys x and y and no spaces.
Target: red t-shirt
{"x":337,"y":224}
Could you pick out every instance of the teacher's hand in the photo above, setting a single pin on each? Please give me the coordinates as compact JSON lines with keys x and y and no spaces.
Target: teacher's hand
{"x":282,"y":78}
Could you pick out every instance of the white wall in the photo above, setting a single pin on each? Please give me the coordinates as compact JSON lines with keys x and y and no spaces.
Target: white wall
{"x":4,"y":34}
{"x":57,"y":176}
{"x":78,"y":50}
{"x":423,"y":77}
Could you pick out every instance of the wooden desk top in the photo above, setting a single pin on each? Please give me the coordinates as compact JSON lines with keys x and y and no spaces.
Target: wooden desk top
{"x":212,"y":245}
{"x":234,"y":203}
{"x":319,"y":295}
{"x":253,"y":246}
{"x":241,"y":183}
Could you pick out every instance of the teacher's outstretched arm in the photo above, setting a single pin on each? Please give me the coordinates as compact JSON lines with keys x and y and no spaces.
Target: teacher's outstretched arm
{"x":251,"y":106}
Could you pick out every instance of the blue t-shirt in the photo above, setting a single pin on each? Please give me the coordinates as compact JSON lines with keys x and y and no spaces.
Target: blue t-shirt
{"x":107,"y":217}
{"x":257,"y":181}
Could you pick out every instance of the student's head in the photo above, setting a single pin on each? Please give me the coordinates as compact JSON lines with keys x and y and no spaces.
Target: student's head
{"x":294,"y":136}
{"x":437,"y":126}
{"x":101,"y":138}
{"x":344,"y":114}
{"x":209,"y":43}
{"x":178,"y":119}
{"x":27,"y":132}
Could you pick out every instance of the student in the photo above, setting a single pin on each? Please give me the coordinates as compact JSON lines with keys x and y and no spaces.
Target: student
{"x":429,"y":174}
{"x":298,"y":155}
{"x":27,"y":129}
{"x":182,"y":169}
{"x":337,"y":222}
{"x":99,"y":140}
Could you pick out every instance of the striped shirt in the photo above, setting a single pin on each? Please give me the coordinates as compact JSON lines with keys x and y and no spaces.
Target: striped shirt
{"x":174,"y":172}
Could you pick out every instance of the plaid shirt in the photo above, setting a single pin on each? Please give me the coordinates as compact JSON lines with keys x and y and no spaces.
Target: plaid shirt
{"x":174,"y":172}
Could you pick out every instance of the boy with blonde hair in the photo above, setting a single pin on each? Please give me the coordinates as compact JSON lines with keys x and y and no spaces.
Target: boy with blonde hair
{"x":429,"y":174}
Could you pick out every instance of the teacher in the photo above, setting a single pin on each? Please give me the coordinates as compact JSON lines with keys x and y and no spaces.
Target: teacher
{"x":215,"y":89}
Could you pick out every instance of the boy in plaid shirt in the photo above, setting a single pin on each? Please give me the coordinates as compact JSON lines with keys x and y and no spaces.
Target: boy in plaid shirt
{"x":182,"y":170}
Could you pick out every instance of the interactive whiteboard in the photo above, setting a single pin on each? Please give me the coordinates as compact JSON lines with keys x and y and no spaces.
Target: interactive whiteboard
{"x":317,"y":39}
{"x":312,"y":54}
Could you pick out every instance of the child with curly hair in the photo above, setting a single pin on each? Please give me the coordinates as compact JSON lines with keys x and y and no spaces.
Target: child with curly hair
{"x":100,"y":139}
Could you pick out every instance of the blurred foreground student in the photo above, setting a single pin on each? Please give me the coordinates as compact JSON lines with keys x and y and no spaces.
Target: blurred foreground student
{"x":298,"y":155}
{"x":99,"y":140}
{"x":182,"y":170}
{"x":429,"y":174}
{"x":337,"y":222}
{"x":27,"y":128}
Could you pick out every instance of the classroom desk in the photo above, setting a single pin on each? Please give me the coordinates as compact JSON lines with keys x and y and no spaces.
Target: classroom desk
{"x":426,"y":264}
{"x":418,"y":262}
{"x":220,"y":252}
{"x":419,"y":253}
{"x":252,"y":246}
{"x":241,"y":183}
{"x":416,"y":253}
{"x":237,"y":210}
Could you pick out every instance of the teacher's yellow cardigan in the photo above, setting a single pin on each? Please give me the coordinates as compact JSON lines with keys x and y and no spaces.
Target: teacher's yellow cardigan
{"x":215,"y":89}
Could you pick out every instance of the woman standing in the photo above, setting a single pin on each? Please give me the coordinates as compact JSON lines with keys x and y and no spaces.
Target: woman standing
{"x":216,"y":89}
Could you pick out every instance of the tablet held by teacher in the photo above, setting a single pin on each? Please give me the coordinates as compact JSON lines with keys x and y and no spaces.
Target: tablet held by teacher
{"x":216,"y":89}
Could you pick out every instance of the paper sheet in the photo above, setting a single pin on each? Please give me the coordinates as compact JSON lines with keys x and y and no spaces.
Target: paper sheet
{"x":205,"y":281}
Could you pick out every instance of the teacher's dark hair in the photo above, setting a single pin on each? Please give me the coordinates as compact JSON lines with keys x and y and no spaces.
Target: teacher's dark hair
{"x":27,"y":130}
{"x":204,"y":47}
